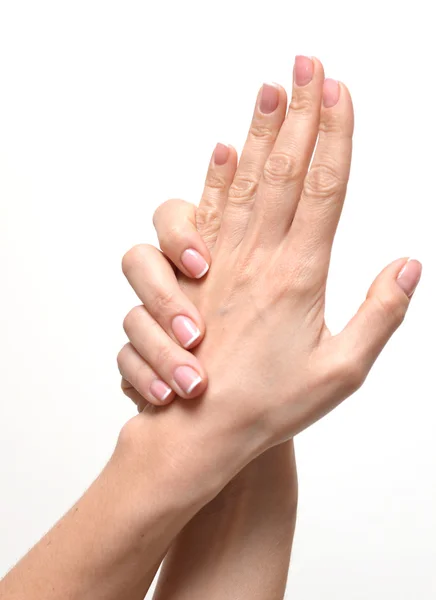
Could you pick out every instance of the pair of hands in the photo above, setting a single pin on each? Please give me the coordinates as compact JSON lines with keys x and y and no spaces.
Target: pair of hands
{"x":265,"y":227}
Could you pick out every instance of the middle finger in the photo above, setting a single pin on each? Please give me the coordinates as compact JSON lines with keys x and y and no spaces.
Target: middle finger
{"x":283,"y":176}
{"x":269,"y":113}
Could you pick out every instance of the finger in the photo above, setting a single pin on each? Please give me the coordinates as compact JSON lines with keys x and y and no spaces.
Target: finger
{"x":220,"y":174}
{"x":269,"y":113}
{"x":359,"y":344}
{"x":152,"y":278}
{"x":287,"y":165}
{"x":177,"y":367}
{"x":140,"y":402}
{"x":175,"y":222}
{"x":325,"y":186}
{"x":139,"y":381}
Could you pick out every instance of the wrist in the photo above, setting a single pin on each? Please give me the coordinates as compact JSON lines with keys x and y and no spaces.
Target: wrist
{"x":188,"y":452}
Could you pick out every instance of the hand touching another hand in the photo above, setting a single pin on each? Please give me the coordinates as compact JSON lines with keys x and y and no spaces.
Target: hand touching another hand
{"x":270,"y":358}
{"x":155,"y":362}
{"x":273,"y":367}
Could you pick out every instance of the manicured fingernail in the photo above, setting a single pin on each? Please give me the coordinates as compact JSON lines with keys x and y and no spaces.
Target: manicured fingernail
{"x":409,"y":276}
{"x":160,"y":390}
{"x":194,"y":263}
{"x":303,"y":70}
{"x":269,"y":98}
{"x":330,"y":93}
{"x":221,"y":154}
{"x":185,"y":330}
{"x":187,"y":379}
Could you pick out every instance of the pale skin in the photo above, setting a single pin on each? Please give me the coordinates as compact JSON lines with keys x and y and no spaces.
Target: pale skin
{"x":241,"y":541}
{"x":272,"y":366}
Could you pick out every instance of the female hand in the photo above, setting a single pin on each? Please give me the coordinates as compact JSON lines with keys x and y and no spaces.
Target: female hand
{"x":271,"y":360}
{"x":154,"y":365}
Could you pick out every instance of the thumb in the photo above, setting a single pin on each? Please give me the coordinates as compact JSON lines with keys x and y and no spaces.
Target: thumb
{"x":381,"y":313}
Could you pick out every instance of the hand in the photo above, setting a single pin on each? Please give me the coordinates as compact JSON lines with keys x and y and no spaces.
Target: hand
{"x":153,"y":364}
{"x":271,"y":360}
{"x":156,"y":360}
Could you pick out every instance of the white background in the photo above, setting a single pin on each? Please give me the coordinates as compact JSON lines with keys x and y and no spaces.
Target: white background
{"x":107,"y":109}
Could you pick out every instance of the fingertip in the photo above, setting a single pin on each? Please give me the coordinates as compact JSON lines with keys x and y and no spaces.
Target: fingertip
{"x":409,"y":276}
{"x":190,"y":380}
{"x":160,"y":393}
{"x":187,"y":333}
{"x":233,"y":158}
{"x":221,"y":154}
{"x":195,"y":264}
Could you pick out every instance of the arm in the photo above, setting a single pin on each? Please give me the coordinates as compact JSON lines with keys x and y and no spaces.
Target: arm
{"x":110,"y":543}
{"x":241,"y":542}
{"x":273,"y":366}
{"x":239,"y":545}
{"x":195,"y":559}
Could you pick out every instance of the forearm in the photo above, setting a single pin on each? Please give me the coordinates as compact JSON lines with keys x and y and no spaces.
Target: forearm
{"x":110,"y":543}
{"x":239,"y":544}
{"x":166,"y":467}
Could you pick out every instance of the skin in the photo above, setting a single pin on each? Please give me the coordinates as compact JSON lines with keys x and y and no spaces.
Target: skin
{"x":272,"y":365}
{"x":240,"y":543}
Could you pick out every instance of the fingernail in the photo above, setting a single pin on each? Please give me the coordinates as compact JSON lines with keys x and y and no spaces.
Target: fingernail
{"x":185,"y":330}
{"x":409,"y":276}
{"x":303,"y":70}
{"x":330,"y":93}
{"x":160,"y":390}
{"x":269,"y":98}
{"x":221,"y":154}
{"x":187,"y":379}
{"x":194,"y":263}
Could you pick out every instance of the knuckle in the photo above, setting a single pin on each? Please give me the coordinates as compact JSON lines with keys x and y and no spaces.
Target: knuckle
{"x":121,"y":358}
{"x":163,"y":209}
{"x":208,"y":219}
{"x":133,"y":257}
{"x":170,"y":237}
{"x":164,"y":303}
{"x":126,"y":387}
{"x":349,"y":372}
{"x":355,"y":374}
{"x":260,"y":131}
{"x":216,"y":181}
{"x":299,"y":279}
{"x":243,"y":188}
{"x":281,"y":168}
{"x":163,"y":358}
{"x":393,"y":309}
{"x":132,"y":318}
{"x":302,"y":102}
{"x":336,"y":125}
{"x":323,"y":181}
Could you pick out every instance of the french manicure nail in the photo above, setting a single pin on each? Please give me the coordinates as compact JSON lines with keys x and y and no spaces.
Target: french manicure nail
{"x":303,"y":70}
{"x":330,"y":93}
{"x":409,"y":276}
{"x":185,"y":330}
{"x":160,"y":390}
{"x":187,"y":378}
{"x":194,"y":263}
{"x":221,"y":154}
{"x":269,"y":98}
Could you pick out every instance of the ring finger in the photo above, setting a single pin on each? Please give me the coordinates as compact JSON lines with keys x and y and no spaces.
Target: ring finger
{"x":139,"y":381}
{"x":176,"y":367}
